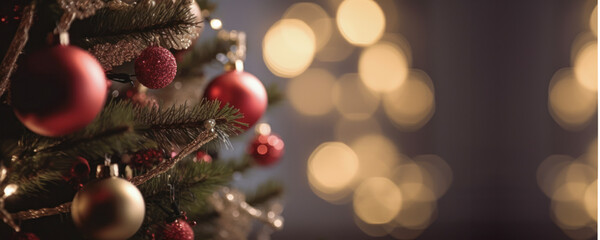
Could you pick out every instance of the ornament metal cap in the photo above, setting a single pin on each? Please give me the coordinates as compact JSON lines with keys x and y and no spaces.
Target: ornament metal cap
{"x":107,"y":170}
{"x":237,"y":65}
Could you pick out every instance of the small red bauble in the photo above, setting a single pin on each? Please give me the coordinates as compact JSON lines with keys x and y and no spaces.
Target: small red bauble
{"x":155,"y":67}
{"x":242,"y":90}
{"x":202,"y":157}
{"x":266,"y":149}
{"x":58,"y":90}
{"x":25,"y":236}
{"x":178,"y":230}
{"x":79,"y":173}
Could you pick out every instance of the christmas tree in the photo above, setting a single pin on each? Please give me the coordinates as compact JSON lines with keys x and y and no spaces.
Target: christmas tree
{"x":108,"y":129}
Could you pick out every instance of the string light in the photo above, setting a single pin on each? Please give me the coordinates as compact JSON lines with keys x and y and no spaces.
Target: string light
{"x":216,"y":24}
{"x":10,"y":189}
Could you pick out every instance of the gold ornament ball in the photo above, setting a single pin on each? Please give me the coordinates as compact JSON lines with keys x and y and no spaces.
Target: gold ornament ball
{"x":110,"y":209}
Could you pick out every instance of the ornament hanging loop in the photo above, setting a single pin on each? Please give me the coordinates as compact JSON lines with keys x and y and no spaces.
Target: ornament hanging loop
{"x":62,"y":28}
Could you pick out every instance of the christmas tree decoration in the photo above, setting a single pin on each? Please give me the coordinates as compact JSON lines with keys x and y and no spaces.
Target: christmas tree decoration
{"x":108,"y":208}
{"x":155,"y":67}
{"x":202,"y":156}
{"x":242,"y":90}
{"x":178,"y":230}
{"x":139,"y":97}
{"x":266,"y":149}
{"x":79,"y":173}
{"x":58,"y":90}
{"x":146,"y":158}
{"x":24,"y":236}
{"x":197,"y":12}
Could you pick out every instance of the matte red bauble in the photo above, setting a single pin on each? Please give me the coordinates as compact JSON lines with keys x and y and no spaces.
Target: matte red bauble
{"x":242,"y":90}
{"x":155,"y":67}
{"x":58,"y":90}
{"x":178,"y":230}
{"x":266,"y":149}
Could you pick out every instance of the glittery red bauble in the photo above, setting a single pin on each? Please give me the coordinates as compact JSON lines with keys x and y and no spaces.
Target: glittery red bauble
{"x":155,"y":67}
{"x":202,"y":157}
{"x":266,"y":149}
{"x":147,"y":158}
{"x":178,"y":230}
{"x":58,"y":90}
{"x":242,"y":90}
{"x":24,"y":236}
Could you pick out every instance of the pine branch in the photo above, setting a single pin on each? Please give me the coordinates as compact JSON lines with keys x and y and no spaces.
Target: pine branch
{"x":265,"y":192}
{"x":118,"y":33}
{"x":203,"y":54}
{"x":121,"y":127}
{"x":179,"y":125}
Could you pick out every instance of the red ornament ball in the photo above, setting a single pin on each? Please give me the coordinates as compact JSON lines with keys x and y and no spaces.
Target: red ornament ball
{"x":203,"y":157}
{"x":58,"y":90}
{"x":266,"y":149}
{"x":79,"y":172}
{"x":242,"y":90}
{"x":155,"y":67}
{"x":25,"y":236}
{"x":178,"y":230}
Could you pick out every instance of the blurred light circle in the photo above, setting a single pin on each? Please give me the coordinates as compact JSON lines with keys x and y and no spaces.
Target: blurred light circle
{"x":348,"y":130}
{"x":383,"y":67}
{"x":591,"y":155}
{"x":439,"y":170}
{"x":361,"y":22}
{"x":310,"y":93}
{"x":338,"y":196}
{"x":289,"y":47}
{"x":412,"y":104}
{"x":549,"y":173}
{"x":594,"y":21}
{"x":586,"y":66}
{"x":373,"y":230}
{"x":333,"y":165}
{"x":570,"y":214}
{"x":337,"y":48}
{"x":571,"y":105}
{"x":416,"y":214}
{"x":352,"y":99}
{"x":377,"y":200}
{"x":315,"y":17}
{"x":570,"y":191}
{"x":590,"y":200}
{"x":377,"y":155}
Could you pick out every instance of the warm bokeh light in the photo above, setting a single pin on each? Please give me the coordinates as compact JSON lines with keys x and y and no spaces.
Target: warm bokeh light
{"x":586,"y":66}
{"x":289,"y":47}
{"x":377,"y":156}
{"x":361,"y":22}
{"x":310,"y":93}
{"x":570,"y":214}
{"x":337,"y":48}
{"x":383,"y":67}
{"x":216,"y":24}
{"x":594,"y":21}
{"x":377,"y":200}
{"x":591,"y":155}
{"x":416,"y":215}
{"x":348,"y":130}
{"x":413,"y":104}
{"x":10,"y":189}
{"x":263,"y":129}
{"x":352,"y":99}
{"x":373,"y":230}
{"x":549,"y":171}
{"x":315,"y":17}
{"x":439,"y":171}
{"x":571,"y":105}
{"x":590,"y":200}
{"x":333,"y":166}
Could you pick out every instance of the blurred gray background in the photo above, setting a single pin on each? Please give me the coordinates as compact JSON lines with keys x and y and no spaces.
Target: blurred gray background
{"x":491,"y":63}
